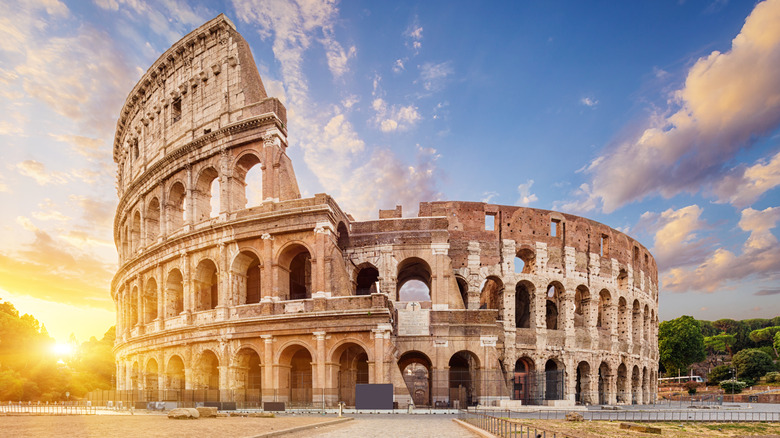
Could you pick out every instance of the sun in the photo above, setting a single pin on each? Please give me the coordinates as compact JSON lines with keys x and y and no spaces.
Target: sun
{"x":62,"y":349}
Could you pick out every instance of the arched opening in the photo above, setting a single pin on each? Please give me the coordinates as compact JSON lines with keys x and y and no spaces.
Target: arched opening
{"x":414,"y":280}
{"x":490,"y":295}
{"x":554,"y":377}
{"x":207,"y":375}
{"x":604,"y":376}
{"x":416,"y":370}
{"x":246,"y":271}
{"x":151,"y":384}
{"x":175,"y":374}
{"x":206,"y":285}
{"x":152,"y":221}
{"x":248,"y":176}
{"x":525,"y":261}
{"x":622,"y":279}
{"x":636,"y":322}
{"x":646,"y":324}
{"x":581,"y":306}
{"x":299,"y":379}
{"x":645,"y":386}
{"x":605,"y":301}
{"x":463,"y":288}
{"x":133,"y":306}
{"x":552,"y":305}
{"x":353,"y":370}
{"x":366,"y":280}
{"x":636,"y":386}
{"x":622,"y":384}
{"x":248,"y":377}
{"x":300,"y":277}
{"x":150,"y":301}
{"x":622,"y":320}
{"x":463,"y":378}
{"x":343,"y":234}
{"x":175,"y":208}
{"x":523,"y":293}
{"x":174,"y":294}
{"x":135,"y":232}
{"x":206,"y":195}
{"x":522,"y":382}
{"x":582,"y":393}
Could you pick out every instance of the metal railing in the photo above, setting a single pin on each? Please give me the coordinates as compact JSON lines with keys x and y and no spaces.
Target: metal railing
{"x":503,"y":427}
{"x":654,"y":415}
{"x":51,"y":409}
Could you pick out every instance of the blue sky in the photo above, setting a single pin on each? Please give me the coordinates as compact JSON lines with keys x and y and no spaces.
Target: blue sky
{"x":658,"y":118}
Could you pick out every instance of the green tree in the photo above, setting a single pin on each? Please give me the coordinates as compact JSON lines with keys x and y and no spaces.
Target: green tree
{"x":752,"y":364}
{"x":776,"y":344}
{"x":680,"y":343}
{"x":719,"y":374}
{"x":765,"y":336}
{"x":719,"y":343}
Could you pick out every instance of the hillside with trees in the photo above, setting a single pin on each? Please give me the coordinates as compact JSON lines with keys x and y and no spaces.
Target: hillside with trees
{"x":30,"y":370}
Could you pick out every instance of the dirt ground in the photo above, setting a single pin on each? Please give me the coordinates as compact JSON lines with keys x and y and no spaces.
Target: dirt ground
{"x":123,"y":426}
{"x":599,"y":429}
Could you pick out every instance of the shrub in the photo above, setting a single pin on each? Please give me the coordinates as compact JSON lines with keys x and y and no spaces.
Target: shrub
{"x":732,"y":386}
{"x":691,"y":387}
{"x":719,"y":374}
{"x":752,"y":364}
{"x":773,"y":377}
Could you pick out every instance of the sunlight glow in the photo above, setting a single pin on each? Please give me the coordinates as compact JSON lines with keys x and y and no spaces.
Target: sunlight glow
{"x":62,"y":349}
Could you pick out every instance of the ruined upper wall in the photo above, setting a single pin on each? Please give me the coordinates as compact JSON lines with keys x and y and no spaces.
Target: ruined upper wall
{"x":205,"y":81}
{"x":529,"y":227}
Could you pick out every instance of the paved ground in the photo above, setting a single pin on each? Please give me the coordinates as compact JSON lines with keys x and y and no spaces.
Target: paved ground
{"x":391,"y":425}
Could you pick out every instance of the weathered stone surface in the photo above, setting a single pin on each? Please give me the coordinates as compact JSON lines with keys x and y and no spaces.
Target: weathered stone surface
{"x":267,"y":280}
{"x":262,"y":415}
{"x":183,"y":413}
{"x":640,"y":428}
{"x":207,"y":412}
{"x":574,"y":416}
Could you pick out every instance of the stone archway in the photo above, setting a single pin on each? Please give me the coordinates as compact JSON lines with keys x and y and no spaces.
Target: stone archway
{"x":463,"y":379}
{"x":352,"y":370}
{"x":416,"y":370}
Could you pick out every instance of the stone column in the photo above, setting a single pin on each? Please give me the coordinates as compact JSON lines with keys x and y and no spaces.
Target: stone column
{"x":187,"y":289}
{"x":160,"y":297}
{"x":268,"y":384}
{"x":321,"y":233}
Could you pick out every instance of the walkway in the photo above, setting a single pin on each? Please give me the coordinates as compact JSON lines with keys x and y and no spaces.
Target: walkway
{"x":395,"y":425}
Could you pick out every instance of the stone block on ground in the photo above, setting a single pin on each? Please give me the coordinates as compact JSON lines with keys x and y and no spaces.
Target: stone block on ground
{"x":207,"y":412}
{"x":262,"y":415}
{"x":640,"y":428}
{"x":574,"y":416}
{"x":183,"y":414}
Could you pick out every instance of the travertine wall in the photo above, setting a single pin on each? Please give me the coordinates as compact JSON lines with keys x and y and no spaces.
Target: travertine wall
{"x":296,"y":301}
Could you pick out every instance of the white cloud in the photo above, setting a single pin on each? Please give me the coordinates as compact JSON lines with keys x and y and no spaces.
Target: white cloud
{"x":526,"y":197}
{"x":760,"y":258}
{"x":37,"y":171}
{"x":434,"y":76}
{"x":398,"y":66}
{"x":414,"y":36}
{"x":488,"y":196}
{"x":587,"y":101}
{"x":745,"y":185}
{"x":584,"y":201}
{"x":717,"y":113}
{"x":394,"y":117}
{"x":676,"y":239}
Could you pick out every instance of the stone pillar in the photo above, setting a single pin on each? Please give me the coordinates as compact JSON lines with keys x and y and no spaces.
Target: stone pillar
{"x":267,"y":277}
{"x":190,"y":193}
{"x":269,"y":384}
{"x":320,"y":369}
{"x":321,"y":234}
{"x":223,"y":284}
{"x":160,"y":298}
{"x":187,"y":289}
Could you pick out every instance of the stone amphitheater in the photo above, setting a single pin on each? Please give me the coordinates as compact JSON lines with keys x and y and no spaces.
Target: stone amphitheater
{"x":233,"y":287}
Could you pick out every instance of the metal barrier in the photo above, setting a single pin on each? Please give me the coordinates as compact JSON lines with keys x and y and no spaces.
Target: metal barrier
{"x":36,"y":409}
{"x":506,"y":428}
{"x":709,"y":416}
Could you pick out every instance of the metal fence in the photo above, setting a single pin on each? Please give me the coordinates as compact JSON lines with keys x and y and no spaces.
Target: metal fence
{"x":503,"y":427}
{"x":654,"y":415}
{"x":39,"y":409}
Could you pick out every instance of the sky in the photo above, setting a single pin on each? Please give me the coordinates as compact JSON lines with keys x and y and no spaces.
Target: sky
{"x":658,"y":118}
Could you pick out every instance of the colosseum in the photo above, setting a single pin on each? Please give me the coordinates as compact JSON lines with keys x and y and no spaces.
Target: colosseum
{"x":231,"y":287}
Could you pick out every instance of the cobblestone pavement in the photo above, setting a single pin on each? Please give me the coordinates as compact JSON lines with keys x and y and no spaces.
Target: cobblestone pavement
{"x":391,"y":425}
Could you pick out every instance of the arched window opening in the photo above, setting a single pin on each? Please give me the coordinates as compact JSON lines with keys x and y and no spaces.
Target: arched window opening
{"x":582,"y":394}
{"x":523,"y":382}
{"x":150,"y":301}
{"x":622,"y":279}
{"x":343,"y":234}
{"x":206,"y":285}
{"x":152,"y":221}
{"x":176,"y":207}
{"x":207,"y":195}
{"x":554,"y":377}
{"x":134,"y":307}
{"x":247,"y":270}
{"x":416,"y":370}
{"x":151,"y":382}
{"x":353,"y":370}
{"x":527,"y":257}
{"x":174,"y":294}
{"x":463,"y":288}
{"x":636,"y":322}
{"x":175,"y":374}
{"x":300,"y":276}
{"x":552,"y":305}
{"x":135,"y":232}
{"x":581,"y":306}
{"x":300,"y":378}
{"x":490,"y":296}
{"x":247,"y":188}
{"x":463,"y":377}
{"x":646,"y":324}
{"x":414,"y":280}
{"x":253,"y":282}
{"x":623,"y":320}
{"x":605,"y":301}
{"x":523,"y":293}
{"x":366,"y":281}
